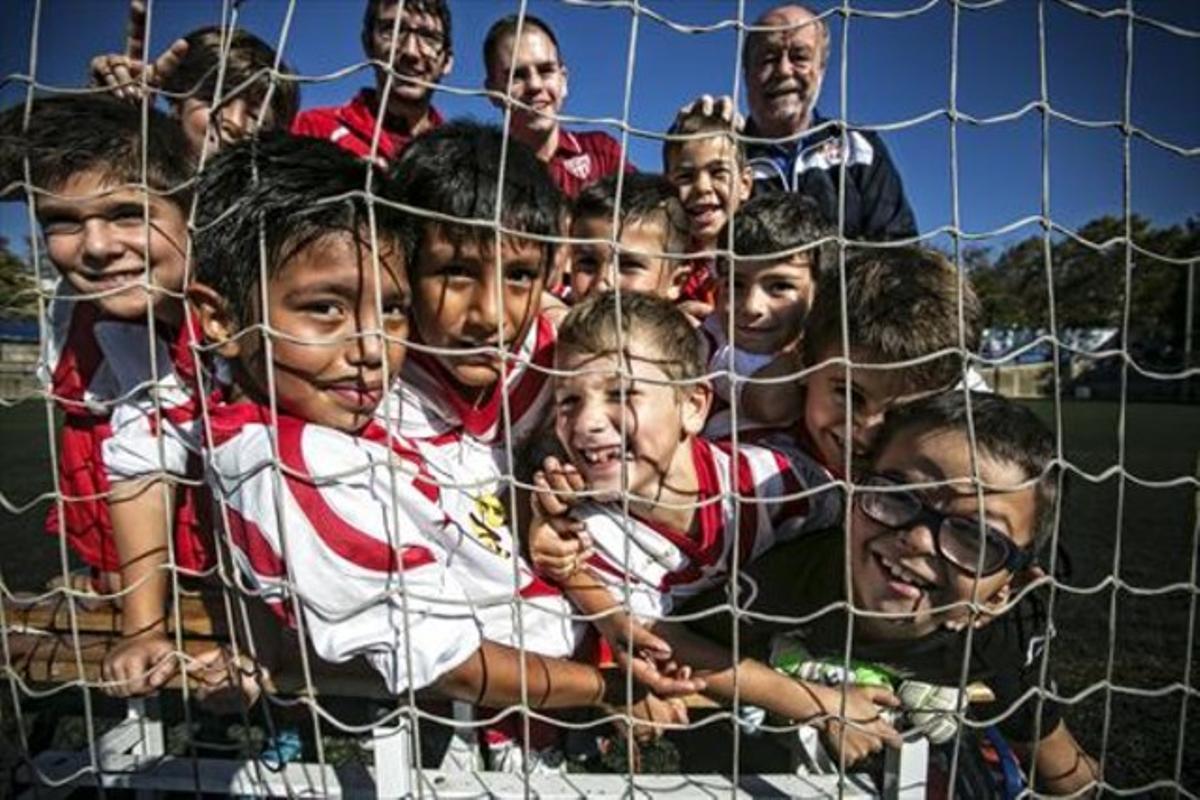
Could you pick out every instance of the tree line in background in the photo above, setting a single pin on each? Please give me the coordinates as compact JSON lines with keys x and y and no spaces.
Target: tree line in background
{"x":1089,"y":283}
{"x":1088,"y":272}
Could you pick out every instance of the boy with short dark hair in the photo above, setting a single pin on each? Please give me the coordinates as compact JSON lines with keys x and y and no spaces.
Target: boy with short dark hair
{"x":651,"y":237}
{"x":631,"y":401}
{"x":782,"y":251}
{"x":941,"y":533}
{"x":476,"y":387}
{"x":906,"y":341}
{"x":117,"y":360}
{"x":712,"y":178}
{"x":353,"y":530}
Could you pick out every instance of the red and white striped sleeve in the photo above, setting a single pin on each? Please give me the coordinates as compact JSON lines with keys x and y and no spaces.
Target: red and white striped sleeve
{"x":339,"y":529}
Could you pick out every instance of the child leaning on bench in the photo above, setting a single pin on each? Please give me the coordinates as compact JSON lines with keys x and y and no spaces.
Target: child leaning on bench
{"x":329,"y":513}
{"x":117,"y":361}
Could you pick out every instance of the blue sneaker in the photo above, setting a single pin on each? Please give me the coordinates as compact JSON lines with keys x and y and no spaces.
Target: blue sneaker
{"x":284,"y":747}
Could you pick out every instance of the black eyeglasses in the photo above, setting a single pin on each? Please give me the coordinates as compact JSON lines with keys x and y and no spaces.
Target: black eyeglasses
{"x":429,"y":40}
{"x":959,"y":540}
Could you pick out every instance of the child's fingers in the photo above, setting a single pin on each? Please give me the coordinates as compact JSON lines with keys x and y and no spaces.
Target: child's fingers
{"x":881,"y":696}
{"x":548,"y":493}
{"x":135,"y":32}
{"x":168,"y":62}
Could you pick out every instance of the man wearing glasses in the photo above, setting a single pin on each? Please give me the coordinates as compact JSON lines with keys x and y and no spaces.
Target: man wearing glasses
{"x":537,"y":92}
{"x":418,"y":49}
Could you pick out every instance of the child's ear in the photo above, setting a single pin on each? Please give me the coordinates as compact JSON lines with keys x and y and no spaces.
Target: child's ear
{"x":448,"y":67}
{"x":566,"y":82}
{"x":696,"y":401}
{"x":999,"y":599}
{"x":680,"y":271}
{"x":745,"y":184}
{"x":216,"y":322}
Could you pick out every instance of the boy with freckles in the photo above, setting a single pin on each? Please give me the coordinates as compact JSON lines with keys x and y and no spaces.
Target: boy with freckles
{"x":946,"y":523}
{"x":330,"y":515}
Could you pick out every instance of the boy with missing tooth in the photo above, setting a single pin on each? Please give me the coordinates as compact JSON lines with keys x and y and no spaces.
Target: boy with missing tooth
{"x":328,"y":513}
{"x":630,"y":403}
{"x":926,"y":557}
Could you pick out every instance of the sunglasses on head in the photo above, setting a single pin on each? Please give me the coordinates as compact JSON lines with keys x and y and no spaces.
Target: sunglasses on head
{"x":968,"y":543}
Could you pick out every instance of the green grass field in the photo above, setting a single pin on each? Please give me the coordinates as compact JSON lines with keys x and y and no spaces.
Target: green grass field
{"x":1144,"y":537}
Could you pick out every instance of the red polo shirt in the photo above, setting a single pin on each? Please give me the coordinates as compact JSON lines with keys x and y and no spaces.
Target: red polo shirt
{"x":582,"y":158}
{"x":352,"y":127}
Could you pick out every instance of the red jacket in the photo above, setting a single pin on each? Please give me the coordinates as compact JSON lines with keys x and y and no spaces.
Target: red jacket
{"x":352,"y":127}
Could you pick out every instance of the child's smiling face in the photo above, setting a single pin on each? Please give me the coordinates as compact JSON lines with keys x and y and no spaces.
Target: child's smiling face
{"x":633,"y":427}
{"x":902,"y":570}
{"x":711,"y":184}
{"x":770,"y":302}
{"x":106,"y":239}
{"x":337,"y":329}
{"x":640,"y":263}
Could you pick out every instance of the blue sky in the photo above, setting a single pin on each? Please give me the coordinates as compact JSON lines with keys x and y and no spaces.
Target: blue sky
{"x":897,"y":69}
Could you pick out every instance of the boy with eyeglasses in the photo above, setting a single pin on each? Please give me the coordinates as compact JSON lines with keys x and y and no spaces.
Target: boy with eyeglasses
{"x":419,"y":53}
{"x":940,"y":538}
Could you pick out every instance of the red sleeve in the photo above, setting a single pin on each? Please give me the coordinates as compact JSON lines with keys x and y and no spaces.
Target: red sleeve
{"x":315,"y":122}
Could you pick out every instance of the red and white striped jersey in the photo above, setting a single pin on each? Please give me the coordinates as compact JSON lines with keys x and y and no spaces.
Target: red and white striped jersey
{"x":426,"y":403}
{"x":748,"y":501}
{"x":102,"y":368}
{"x":514,"y":605}
{"x":127,"y":413}
{"x":348,"y":525}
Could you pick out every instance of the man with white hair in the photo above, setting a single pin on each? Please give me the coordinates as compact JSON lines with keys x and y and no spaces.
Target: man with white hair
{"x":784,"y":60}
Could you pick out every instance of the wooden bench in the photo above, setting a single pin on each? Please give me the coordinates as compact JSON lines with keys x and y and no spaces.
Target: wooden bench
{"x":43,"y":649}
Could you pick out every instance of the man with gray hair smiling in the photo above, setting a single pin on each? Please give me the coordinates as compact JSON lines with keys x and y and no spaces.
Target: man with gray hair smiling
{"x":785,"y":55}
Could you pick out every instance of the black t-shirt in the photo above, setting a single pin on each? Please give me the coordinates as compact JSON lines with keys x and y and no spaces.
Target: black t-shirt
{"x":804,"y":582}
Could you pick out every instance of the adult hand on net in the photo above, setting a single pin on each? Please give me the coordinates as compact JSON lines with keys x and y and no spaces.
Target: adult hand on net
{"x":863,"y":730}
{"x":558,"y":544}
{"x":722,"y":107}
{"x":139,"y":665}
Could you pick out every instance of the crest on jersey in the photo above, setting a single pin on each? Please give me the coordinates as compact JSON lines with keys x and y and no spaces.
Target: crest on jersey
{"x":487,"y":516}
{"x":580,"y":166}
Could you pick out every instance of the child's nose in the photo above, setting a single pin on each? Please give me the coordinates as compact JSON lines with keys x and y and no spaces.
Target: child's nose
{"x":866,"y":424}
{"x":483,"y":314}
{"x":100,"y":245}
{"x":918,"y":538}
